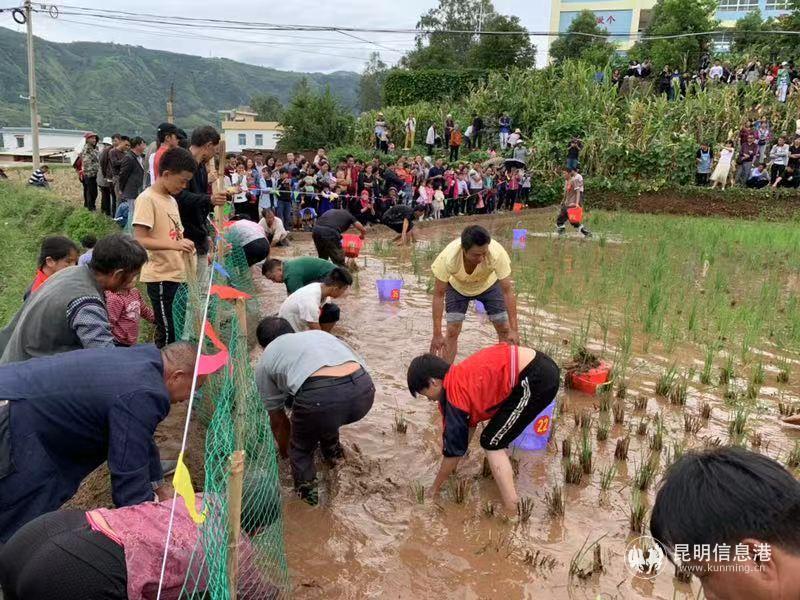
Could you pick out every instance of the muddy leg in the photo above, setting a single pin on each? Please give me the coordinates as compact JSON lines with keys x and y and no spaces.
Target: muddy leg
{"x":451,"y":341}
{"x":504,"y":476}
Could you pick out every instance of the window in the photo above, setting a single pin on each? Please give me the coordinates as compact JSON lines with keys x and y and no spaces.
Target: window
{"x":242,"y":139}
{"x":259,"y":139}
{"x":20,"y":141}
{"x":722,"y":42}
{"x":738,"y":5}
{"x":777,"y":5}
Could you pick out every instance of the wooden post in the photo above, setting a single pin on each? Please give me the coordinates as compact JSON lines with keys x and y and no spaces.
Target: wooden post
{"x":235,"y":485}
{"x":241,"y":394}
{"x":219,"y":186}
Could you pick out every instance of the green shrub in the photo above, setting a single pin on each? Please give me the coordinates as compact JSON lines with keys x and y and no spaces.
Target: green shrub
{"x":403,"y":87}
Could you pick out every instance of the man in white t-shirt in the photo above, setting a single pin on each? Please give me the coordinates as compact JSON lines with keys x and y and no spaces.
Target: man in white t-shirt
{"x":304,"y":308}
{"x":273,"y":227}
{"x":716,"y":71}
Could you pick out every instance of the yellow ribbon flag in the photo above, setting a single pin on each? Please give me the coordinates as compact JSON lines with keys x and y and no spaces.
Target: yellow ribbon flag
{"x":182,"y":482}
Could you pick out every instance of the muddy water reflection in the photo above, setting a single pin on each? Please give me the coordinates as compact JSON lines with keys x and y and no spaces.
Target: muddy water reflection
{"x":371,"y":539}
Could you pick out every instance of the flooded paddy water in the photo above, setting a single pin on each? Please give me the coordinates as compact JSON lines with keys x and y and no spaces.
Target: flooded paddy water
{"x":371,"y":537}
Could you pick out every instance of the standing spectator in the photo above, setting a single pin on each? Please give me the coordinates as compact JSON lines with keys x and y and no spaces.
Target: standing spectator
{"x":763,"y":138}
{"x":573,"y":153}
{"x":351,"y":174}
{"x":723,"y":168}
{"x":514,"y":138}
{"x":90,"y":165}
{"x":505,"y":130}
{"x":782,"y":82}
{"x":379,"y":130}
{"x":455,"y":142}
{"x":105,"y":180}
{"x":779,"y":156}
{"x":449,"y":125}
{"x":794,"y":154}
{"x":746,"y":131}
{"x":318,"y":158}
{"x":748,"y":152}
{"x":115,"y":156}
{"x":703,"y":159}
{"x":167,"y":137}
{"x":436,"y":175}
{"x":411,"y":128}
{"x":468,"y":136}
{"x":477,"y":131}
{"x":239,"y":190}
{"x":157,"y":226}
{"x":430,"y":139}
{"x":131,"y":172}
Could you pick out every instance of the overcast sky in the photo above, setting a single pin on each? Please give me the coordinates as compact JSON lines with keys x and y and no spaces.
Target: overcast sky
{"x":295,"y":51}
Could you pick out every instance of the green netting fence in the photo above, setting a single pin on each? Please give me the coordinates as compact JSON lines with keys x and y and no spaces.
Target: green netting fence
{"x":236,"y":423}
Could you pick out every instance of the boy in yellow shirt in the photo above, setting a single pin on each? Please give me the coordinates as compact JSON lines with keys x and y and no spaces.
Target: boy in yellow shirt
{"x":157,"y":226}
{"x":474,"y":267}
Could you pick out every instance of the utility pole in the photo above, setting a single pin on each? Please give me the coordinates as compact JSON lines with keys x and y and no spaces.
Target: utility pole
{"x":170,"y":104}
{"x":32,"y":84}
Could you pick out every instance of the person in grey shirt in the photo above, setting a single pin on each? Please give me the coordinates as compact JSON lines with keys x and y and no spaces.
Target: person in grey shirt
{"x":325,"y":385}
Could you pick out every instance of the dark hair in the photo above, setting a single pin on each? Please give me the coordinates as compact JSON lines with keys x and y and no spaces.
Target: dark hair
{"x":474,"y":235}
{"x":270,"y":328}
{"x":124,"y":138}
{"x":88,"y":241}
{"x":183,"y":139}
{"x":424,"y":368}
{"x":136,"y":141}
{"x":270,"y":264}
{"x":203,"y":135}
{"x":725,"y":495}
{"x":177,"y":160}
{"x":164,"y":130}
{"x":330,"y":313}
{"x":116,"y":135}
{"x":117,"y":251}
{"x":56,"y":247}
{"x":265,"y":212}
{"x":339,"y":277}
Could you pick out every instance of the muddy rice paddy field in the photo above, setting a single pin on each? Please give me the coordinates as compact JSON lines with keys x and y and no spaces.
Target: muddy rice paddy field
{"x":699,"y":319}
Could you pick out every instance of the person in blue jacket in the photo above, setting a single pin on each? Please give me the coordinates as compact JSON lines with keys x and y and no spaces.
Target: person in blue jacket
{"x":62,"y":416}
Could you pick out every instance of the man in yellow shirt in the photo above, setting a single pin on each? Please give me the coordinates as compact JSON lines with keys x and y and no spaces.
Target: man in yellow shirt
{"x":475,"y":267}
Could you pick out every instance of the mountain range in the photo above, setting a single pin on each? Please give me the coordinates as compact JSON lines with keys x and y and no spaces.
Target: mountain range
{"x":112,"y":87}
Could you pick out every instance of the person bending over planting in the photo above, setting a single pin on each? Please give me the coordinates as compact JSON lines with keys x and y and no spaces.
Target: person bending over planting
{"x":505,"y":385}
{"x":573,"y":198}
{"x":474,"y":267}
{"x":731,"y":517}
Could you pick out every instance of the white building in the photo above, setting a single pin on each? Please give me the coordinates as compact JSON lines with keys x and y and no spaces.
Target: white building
{"x":19,"y":140}
{"x":241,"y":131}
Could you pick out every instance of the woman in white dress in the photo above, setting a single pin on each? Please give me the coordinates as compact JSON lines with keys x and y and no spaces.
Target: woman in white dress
{"x":723,"y":168}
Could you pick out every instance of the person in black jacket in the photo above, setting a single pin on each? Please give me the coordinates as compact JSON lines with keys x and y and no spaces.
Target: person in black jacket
{"x":131,"y":171}
{"x":195,"y":202}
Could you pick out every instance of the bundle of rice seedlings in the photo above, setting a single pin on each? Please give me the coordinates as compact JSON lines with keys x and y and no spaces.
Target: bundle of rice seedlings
{"x":691,"y":424}
{"x":638,"y":513}
{"x":555,"y":501}
{"x":586,"y":454}
{"x":566,"y":447}
{"x":607,"y":476}
{"x":458,"y":489}
{"x":705,"y":411}
{"x":418,"y":492}
{"x":621,"y":451}
{"x":619,"y":412}
{"x":525,"y":509}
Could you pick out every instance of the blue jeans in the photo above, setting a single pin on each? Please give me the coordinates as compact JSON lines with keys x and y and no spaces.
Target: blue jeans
{"x":285,"y":213}
{"x":572,"y":163}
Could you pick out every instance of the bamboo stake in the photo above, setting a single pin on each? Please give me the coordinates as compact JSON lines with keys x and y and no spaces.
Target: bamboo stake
{"x":219,"y":186}
{"x":235,"y":485}
{"x":241,"y":393}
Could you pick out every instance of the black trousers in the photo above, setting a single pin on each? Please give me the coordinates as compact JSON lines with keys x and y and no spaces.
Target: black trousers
{"x":256,"y":251}
{"x":90,"y":192}
{"x":162,"y":297}
{"x":328,"y":245}
{"x":454,"y":152}
{"x":108,"y":200}
{"x":57,"y":556}
{"x":537,"y":387}
{"x":321,"y":406}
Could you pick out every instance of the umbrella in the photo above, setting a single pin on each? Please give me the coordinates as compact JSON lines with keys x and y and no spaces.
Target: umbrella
{"x":513,"y":163}
{"x":493,"y":162}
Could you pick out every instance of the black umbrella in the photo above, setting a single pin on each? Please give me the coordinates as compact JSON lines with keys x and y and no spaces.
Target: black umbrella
{"x":513,"y":163}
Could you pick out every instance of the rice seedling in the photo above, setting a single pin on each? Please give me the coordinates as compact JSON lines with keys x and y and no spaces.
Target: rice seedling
{"x":712,"y":442}
{"x":708,"y":363}
{"x":788,"y":409}
{"x":400,"y":423}
{"x":538,"y":560}
{"x":638,"y":513}
{"x":692,"y":424}
{"x":783,"y":369}
{"x":554,"y":499}
{"x":737,"y":423}
{"x":619,"y":412}
{"x":726,"y":373}
{"x":418,"y":492}
{"x":753,"y":390}
{"x":641,"y":429}
{"x":605,"y":401}
{"x":674,"y":452}
{"x":705,"y":411}
{"x":525,"y":509}
{"x":640,"y":403}
{"x":645,"y":474}
{"x":486,"y":469}
{"x":657,"y":438}
{"x":576,"y":564}
{"x":514,"y":464}
{"x":731,"y":395}
{"x":793,"y":459}
{"x":677,"y":394}
{"x":573,"y":472}
{"x":585,"y":457}
{"x":602,"y":431}
{"x":585,"y":420}
{"x":458,"y":489}
{"x":622,"y":390}
{"x":756,"y":439}
{"x":757,"y":375}
{"x":489,"y":508}
{"x":607,"y":476}
{"x":577,"y":417}
{"x":621,"y":450}
{"x":566,"y":448}
{"x":666,"y":381}
{"x":597,"y":559}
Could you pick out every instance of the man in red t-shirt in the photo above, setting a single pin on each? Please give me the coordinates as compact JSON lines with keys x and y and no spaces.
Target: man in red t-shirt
{"x":167,"y":136}
{"x":506,"y":385}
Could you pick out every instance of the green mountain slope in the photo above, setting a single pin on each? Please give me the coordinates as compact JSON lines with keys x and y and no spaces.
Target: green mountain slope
{"x":107,"y":87}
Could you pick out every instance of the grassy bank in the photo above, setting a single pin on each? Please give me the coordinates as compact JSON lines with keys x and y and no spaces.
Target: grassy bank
{"x":26,"y":216}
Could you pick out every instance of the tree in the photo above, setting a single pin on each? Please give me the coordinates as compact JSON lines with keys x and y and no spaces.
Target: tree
{"x":672,"y":17}
{"x":370,"y":86}
{"x":268,"y":107}
{"x":595,"y":50}
{"x":314,"y":119}
{"x":438,"y":48}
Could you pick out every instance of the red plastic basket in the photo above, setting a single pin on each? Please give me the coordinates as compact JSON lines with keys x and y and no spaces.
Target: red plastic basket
{"x":518,"y":207}
{"x":575,"y":215}
{"x":589,"y":381}
{"x":352,"y":245}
